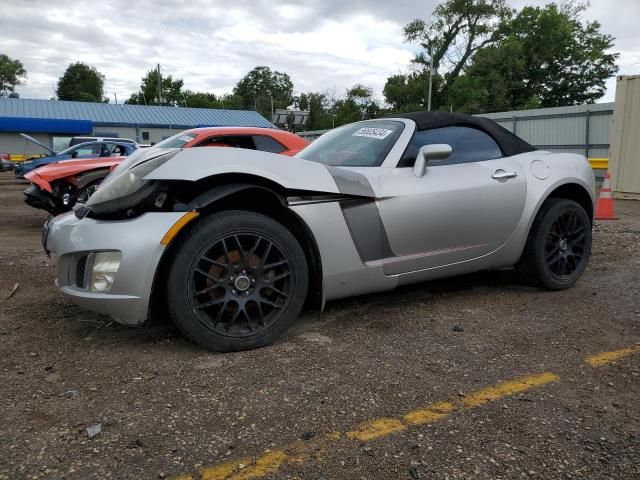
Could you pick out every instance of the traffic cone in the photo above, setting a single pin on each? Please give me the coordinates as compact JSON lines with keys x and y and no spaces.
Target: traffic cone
{"x":604,"y":207}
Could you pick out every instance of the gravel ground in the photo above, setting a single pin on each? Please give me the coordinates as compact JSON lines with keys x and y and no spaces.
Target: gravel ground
{"x":166,"y":407}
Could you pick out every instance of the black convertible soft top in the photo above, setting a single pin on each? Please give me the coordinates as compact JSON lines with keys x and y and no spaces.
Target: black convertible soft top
{"x":509,"y":143}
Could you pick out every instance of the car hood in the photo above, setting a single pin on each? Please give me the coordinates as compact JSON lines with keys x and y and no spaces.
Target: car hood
{"x":33,"y":140}
{"x":66,"y":168}
{"x":293,"y":173}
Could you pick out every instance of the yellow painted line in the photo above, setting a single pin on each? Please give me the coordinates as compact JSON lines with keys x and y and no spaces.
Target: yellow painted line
{"x":264,"y":465}
{"x":504,"y":389}
{"x":604,"y":358}
{"x":380,"y":427}
{"x":248,"y":468}
{"x":223,"y":470}
{"x":430,"y":414}
{"x":599,"y":163}
{"x":298,"y":452}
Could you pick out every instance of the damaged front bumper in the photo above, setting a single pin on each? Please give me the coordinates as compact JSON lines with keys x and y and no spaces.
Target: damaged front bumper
{"x":77,"y":243}
{"x":38,"y":198}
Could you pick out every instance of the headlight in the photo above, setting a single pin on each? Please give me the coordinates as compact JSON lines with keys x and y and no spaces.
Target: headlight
{"x":104,"y":269}
{"x":128,"y":181}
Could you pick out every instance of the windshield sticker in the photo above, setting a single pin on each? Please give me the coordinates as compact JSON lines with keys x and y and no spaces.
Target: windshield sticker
{"x":370,"y":132}
{"x":186,"y":138}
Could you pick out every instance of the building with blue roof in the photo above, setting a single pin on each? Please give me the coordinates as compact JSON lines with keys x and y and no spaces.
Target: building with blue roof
{"x":55,"y":122}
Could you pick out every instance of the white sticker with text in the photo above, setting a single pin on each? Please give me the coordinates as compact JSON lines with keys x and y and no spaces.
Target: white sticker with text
{"x":371,"y":132}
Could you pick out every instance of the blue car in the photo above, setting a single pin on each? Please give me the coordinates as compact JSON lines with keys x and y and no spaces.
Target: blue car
{"x":95,"y":149}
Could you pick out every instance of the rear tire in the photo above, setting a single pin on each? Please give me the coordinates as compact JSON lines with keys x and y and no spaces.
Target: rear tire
{"x":559,"y":246}
{"x":238,"y":280}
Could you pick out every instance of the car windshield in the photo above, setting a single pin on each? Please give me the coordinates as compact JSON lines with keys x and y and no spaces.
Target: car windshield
{"x":177,"y":141}
{"x":362,"y":144}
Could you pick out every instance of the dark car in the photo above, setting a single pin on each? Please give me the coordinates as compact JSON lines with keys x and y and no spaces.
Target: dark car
{"x":6,"y":165}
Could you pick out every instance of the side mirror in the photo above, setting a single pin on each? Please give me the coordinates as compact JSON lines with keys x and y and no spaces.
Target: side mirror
{"x":74,"y":154}
{"x":430,"y":153}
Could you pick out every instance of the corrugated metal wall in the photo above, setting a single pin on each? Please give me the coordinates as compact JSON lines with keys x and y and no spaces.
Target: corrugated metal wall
{"x":625,"y":139}
{"x":580,"y":129}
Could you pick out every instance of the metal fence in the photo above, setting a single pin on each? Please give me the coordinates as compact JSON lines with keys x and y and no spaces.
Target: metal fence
{"x":580,"y":129}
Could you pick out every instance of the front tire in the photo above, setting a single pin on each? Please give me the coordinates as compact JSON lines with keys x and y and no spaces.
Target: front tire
{"x":238,"y":280}
{"x":559,"y":245}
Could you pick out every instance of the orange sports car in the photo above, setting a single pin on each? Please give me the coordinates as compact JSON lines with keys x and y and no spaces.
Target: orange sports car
{"x":58,"y":186}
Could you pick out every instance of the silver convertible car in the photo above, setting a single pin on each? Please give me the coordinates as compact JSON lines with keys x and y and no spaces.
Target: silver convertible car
{"x":232,"y":244}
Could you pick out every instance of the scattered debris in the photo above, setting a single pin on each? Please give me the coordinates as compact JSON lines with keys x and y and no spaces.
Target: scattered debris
{"x":69,"y":393}
{"x":13,"y":291}
{"x":106,"y":325}
{"x":458,"y":328}
{"x":94,"y":430}
{"x":308,"y":435}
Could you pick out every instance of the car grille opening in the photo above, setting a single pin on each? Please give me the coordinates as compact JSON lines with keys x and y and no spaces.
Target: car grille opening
{"x":81,"y":267}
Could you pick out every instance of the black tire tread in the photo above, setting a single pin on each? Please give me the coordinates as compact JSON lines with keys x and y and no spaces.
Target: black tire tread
{"x":530,"y":267}
{"x":216,"y":342}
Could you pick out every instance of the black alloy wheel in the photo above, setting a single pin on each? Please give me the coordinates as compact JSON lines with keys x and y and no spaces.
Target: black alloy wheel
{"x":558,"y":247}
{"x":239,"y":283}
{"x":236,"y":280}
{"x":566,"y":244}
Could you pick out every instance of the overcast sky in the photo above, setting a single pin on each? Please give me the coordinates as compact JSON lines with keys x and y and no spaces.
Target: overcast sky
{"x":324,"y":45}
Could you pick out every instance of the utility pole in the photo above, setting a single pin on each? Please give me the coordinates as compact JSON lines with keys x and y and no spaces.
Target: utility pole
{"x":272,"y":111}
{"x":159,"y":87}
{"x":115,"y":95}
{"x":430,"y":79}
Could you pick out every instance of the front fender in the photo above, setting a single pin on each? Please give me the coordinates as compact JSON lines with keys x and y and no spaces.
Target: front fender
{"x":193,"y":164}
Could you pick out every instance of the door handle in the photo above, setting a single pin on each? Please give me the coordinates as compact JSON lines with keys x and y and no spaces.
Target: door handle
{"x":502,"y":175}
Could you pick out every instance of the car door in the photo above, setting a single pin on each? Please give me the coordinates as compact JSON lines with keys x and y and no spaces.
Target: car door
{"x":462,"y":209}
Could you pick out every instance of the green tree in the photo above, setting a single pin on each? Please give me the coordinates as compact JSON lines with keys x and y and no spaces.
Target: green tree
{"x":171,"y":90}
{"x":408,"y":92}
{"x":258,"y":87}
{"x":12,"y":74}
{"x":318,"y":105}
{"x":209,"y":100}
{"x":357,"y":104}
{"x":200,"y":100}
{"x":546,"y":57}
{"x":82,"y":83}
{"x":457,"y":29}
